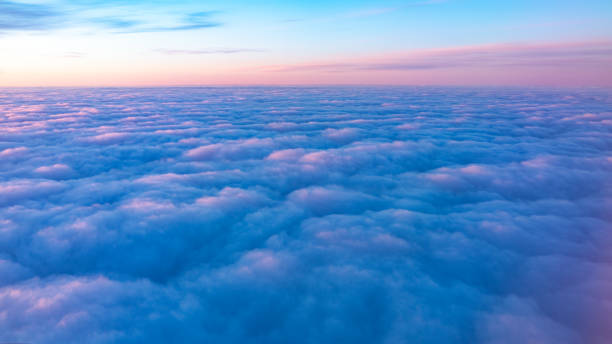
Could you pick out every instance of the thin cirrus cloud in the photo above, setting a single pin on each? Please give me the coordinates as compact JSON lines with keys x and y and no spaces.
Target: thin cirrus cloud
{"x":585,"y":53}
{"x":208,"y":51}
{"x":191,"y":21}
{"x":20,"y":16}
{"x":16,"y":16}
{"x":573,"y":63}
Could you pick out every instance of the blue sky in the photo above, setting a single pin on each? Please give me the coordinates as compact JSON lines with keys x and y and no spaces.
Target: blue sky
{"x":137,"y":39}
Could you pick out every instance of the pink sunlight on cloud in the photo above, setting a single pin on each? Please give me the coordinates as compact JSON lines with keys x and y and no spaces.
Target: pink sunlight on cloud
{"x":545,"y":64}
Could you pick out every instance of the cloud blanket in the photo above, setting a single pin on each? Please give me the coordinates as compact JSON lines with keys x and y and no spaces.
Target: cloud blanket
{"x":305,"y":215}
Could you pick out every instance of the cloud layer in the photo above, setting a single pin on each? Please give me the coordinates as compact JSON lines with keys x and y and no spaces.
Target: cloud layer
{"x":305,"y":215}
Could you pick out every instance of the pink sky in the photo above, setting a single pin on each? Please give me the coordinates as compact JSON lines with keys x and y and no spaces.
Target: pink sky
{"x":532,"y":64}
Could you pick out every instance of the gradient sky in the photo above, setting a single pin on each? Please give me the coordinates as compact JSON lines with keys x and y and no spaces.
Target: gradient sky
{"x":182,"y":42}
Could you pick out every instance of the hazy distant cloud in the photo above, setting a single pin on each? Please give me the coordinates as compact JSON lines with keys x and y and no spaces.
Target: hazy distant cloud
{"x":569,"y":63}
{"x":74,"y":54}
{"x":208,"y":51}
{"x":503,"y":55}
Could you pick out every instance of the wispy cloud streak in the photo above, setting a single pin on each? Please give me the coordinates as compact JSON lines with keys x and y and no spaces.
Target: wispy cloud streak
{"x":502,"y":55}
{"x":192,"y":21}
{"x":27,"y":17}
{"x":24,"y":16}
{"x":208,"y":51}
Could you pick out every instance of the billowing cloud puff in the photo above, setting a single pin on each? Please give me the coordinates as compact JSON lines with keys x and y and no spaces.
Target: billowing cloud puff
{"x":107,"y":138}
{"x":332,"y":200}
{"x":343,"y":135}
{"x":55,"y":171}
{"x":305,"y":215}
{"x":231,"y":150}
{"x":13,"y":152}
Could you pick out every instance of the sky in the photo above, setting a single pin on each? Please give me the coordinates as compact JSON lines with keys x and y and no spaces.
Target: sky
{"x":421,"y":42}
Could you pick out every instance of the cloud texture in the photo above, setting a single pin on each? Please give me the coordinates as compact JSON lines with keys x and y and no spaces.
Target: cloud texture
{"x":305,"y":215}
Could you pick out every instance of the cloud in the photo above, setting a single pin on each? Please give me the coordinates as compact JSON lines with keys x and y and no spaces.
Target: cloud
{"x":305,"y":215}
{"x":107,"y":138}
{"x":15,"y":191}
{"x":333,"y":200}
{"x":207,"y":51}
{"x":235,"y":150}
{"x":503,"y":55}
{"x":56,"y":171}
{"x":547,"y":63}
{"x":191,"y":21}
{"x":16,"y":16}
{"x":74,"y":54}
{"x":343,"y":135}
{"x":13,"y":152}
{"x":24,"y":16}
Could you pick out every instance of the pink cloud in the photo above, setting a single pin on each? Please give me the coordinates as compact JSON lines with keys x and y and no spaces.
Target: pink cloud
{"x":232,"y":198}
{"x":343,"y":135}
{"x":56,"y":171}
{"x":238,"y":149}
{"x":108,"y":138}
{"x":286,"y":154}
{"x":13,"y":152}
{"x":570,"y":64}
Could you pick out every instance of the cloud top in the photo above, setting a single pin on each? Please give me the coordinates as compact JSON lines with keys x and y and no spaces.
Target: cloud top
{"x":305,"y":215}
